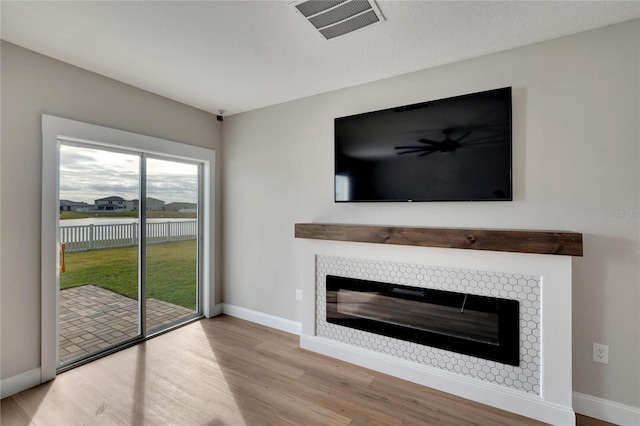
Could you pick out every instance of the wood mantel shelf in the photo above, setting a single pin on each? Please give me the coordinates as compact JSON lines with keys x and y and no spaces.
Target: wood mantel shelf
{"x":538,"y":242}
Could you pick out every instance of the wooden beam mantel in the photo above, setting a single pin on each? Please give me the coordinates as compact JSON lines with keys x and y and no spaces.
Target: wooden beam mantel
{"x":538,"y":242}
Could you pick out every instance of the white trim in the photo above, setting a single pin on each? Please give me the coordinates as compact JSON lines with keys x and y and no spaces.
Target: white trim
{"x":55,"y":128}
{"x":217,"y":310}
{"x":261,"y":318}
{"x":19,"y":382}
{"x":604,"y":409}
{"x":465,"y":387}
{"x":49,"y":251}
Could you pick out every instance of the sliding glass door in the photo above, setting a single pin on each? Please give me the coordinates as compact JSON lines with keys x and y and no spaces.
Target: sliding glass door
{"x":171,"y":242}
{"x":129,"y":258}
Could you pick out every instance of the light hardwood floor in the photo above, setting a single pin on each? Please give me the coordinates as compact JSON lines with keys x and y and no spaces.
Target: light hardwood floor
{"x":225,"y":371}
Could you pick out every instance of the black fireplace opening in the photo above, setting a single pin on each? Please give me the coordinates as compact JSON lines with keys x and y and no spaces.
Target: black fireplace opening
{"x":481,"y":326}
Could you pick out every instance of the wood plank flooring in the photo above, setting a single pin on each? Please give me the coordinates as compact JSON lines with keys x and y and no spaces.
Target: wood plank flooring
{"x":225,"y":371}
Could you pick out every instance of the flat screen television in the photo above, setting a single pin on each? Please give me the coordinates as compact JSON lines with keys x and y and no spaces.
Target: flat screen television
{"x":453,"y":149}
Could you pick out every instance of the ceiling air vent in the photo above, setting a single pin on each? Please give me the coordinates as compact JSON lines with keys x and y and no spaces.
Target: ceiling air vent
{"x":334,"y":18}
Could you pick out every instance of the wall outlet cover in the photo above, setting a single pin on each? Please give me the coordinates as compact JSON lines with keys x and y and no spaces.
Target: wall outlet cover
{"x":601,"y":353}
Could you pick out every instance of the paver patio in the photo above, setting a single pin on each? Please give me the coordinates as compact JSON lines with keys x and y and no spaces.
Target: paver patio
{"x":92,"y":319}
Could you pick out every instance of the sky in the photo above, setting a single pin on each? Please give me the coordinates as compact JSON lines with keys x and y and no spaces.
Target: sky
{"x":89,"y":174}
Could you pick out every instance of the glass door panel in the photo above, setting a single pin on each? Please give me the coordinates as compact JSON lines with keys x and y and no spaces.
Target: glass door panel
{"x":98,"y":304}
{"x":171,"y":243}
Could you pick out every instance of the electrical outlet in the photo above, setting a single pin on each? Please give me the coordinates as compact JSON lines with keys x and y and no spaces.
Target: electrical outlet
{"x":298,"y":294}
{"x":601,"y":353}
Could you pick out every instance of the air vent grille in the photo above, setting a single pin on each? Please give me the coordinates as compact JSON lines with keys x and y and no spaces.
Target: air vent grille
{"x":340,"y":13}
{"x":333,"y":18}
{"x":353,"y":24}
{"x":312,"y":7}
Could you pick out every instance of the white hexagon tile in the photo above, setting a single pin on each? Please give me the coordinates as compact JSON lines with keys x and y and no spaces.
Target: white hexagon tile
{"x":525,"y":289}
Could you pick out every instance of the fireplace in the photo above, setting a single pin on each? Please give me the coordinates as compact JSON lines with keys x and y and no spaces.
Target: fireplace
{"x":530,"y":267}
{"x":481,"y":326}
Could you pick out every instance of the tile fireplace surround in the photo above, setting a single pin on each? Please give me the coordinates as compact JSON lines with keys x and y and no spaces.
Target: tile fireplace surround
{"x":540,"y":279}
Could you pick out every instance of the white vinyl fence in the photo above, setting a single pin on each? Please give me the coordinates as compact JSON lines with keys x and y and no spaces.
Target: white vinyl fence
{"x":94,"y":237}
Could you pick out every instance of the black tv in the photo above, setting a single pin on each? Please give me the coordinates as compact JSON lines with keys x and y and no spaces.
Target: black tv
{"x":453,"y":149}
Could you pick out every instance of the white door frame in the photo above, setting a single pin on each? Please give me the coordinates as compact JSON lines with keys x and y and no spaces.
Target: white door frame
{"x":55,"y":128}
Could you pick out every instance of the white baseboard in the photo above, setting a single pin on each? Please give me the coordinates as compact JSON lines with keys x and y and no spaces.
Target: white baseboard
{"x":486,"y":393}
{"x":604,"y":409}
{"x":18,"y":383}
{"x":272,"y":321}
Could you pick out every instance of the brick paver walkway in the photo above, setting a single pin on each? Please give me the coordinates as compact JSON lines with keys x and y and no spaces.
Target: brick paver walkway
{"x":92,"y":318}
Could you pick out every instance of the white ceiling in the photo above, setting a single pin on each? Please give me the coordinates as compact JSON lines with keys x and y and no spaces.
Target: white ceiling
{"x":242,"y":55}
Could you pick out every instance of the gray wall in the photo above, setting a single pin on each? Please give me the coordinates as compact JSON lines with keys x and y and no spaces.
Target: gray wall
{"x":33,"y":84}
{"x":576,"y":158}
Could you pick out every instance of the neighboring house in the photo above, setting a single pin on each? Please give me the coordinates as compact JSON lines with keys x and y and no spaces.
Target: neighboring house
{"x":111,"y":203}
{"x":180,"y":207}
{"x":153,"y":204}
{"x":74,"y":206}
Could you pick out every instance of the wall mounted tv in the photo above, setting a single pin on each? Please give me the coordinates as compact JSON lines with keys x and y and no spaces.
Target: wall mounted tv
{"x":453,"y":149}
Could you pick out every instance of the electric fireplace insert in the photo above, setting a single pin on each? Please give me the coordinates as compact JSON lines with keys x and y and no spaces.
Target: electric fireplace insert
{"x":481,"y":326}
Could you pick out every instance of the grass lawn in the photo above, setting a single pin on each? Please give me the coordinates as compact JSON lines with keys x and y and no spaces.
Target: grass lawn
{"x":171,"y":271}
